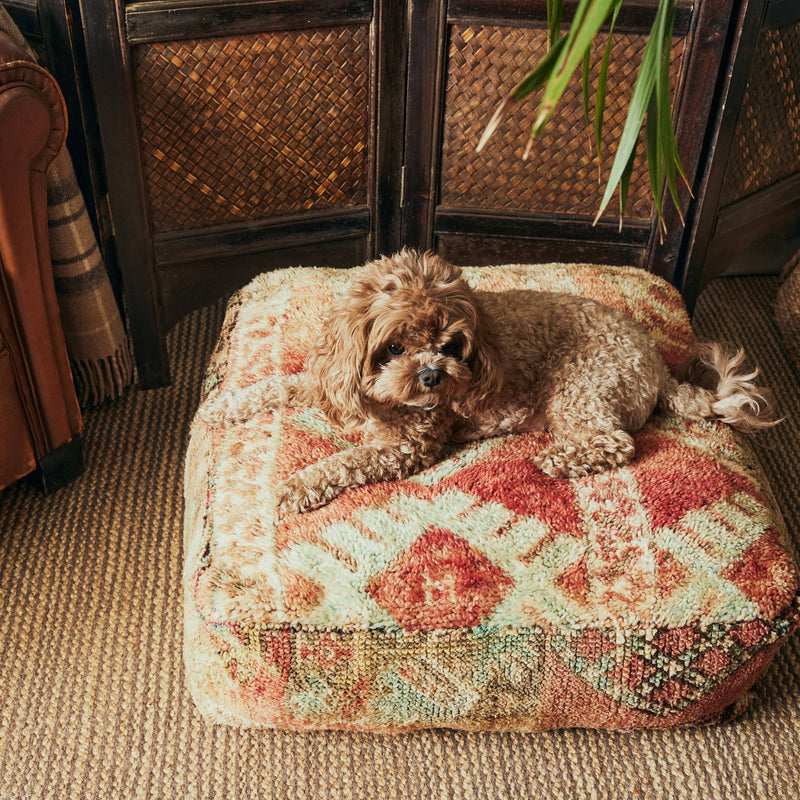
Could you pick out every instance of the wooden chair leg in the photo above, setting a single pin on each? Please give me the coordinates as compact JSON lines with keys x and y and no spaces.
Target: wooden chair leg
{"x":59,"y":467}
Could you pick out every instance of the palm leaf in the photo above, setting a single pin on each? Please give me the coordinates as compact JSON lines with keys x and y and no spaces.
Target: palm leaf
{"x":654,"y":152}
{"x":669,"y":146}
{"x":602,"y":83}
{"x":650,"y":98}
{"x":589,"y":17}
{"x":640,"y":100}
{"x":624,"y":185}
{"x":555,"y":9}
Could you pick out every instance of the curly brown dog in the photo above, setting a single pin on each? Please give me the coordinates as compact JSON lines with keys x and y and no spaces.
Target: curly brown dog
{"x":412,"y":357}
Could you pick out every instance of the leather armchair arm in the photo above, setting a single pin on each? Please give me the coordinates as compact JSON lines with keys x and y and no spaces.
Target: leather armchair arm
{"x":32,"y":132}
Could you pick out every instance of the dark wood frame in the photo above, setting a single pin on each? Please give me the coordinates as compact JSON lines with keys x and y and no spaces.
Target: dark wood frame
{"x":155,"y":21}
{"x":708,"y":36}
{"x":167,"y":275}
{"x":109,"y":64}
{"x":467,"y":236}
{"x":755,"y":223}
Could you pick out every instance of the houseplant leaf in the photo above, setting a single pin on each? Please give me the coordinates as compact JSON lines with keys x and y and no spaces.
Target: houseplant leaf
{"x":650,"y":98}
{"x":589,"y":17}
{"x":640,"y":100}
{"x":602,"y":83}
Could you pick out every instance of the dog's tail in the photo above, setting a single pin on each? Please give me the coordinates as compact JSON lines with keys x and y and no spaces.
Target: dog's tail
{"x":713,"y":385}
{"x":229,"y":407}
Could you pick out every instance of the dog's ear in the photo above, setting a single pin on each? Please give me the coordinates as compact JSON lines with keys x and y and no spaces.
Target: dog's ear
{"x":486,"y":363}
{"x":436,"y":270}
{"x":336,"y":361}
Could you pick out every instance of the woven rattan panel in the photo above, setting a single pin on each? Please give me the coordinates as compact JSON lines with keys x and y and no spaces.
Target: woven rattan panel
{"x":561,"y":175}
{"x":767,"y":141}
{"x":244,"y":128}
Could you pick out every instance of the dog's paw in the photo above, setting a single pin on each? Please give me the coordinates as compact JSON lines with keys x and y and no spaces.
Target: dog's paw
{"x":565,"y":459}
{"x":557,"y":464}
{"x":213,"y":410}
{"x":295,"y":496}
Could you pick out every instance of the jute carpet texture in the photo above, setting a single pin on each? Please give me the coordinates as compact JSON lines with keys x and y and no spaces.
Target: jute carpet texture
{"x":92,"y":698}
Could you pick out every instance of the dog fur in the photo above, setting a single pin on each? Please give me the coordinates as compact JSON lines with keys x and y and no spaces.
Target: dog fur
{"x":412,"y":357}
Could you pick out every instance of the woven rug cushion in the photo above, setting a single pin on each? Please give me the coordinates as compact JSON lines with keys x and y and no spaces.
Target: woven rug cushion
{"x":477,"y":594}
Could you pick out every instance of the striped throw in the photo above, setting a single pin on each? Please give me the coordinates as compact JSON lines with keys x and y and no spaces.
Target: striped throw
{"x":97,"y":342}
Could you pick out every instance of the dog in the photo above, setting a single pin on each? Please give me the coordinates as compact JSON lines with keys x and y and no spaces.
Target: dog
{"x":412,"y":357}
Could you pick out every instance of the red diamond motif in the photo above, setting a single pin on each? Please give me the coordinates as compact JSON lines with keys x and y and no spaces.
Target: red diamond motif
{"x":669,"y":489}
{"x":765,"y":573}
{"x":440,"y":581}
{"x":574,"y":581}
{"x":507,"y":475}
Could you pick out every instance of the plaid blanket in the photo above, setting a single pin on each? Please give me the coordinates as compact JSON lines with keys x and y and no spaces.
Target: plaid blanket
{"x":97,"y":342}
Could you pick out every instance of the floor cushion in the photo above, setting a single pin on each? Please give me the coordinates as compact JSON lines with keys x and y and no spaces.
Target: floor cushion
{"x":478,"y":594}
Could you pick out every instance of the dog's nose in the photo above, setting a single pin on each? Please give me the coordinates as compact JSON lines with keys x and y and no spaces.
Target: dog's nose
{"x":430,"y":377}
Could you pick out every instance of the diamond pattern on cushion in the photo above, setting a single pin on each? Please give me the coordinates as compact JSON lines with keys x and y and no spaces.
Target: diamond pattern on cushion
{"x":441,"y":581}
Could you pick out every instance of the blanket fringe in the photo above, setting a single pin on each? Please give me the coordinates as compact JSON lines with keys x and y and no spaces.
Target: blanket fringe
{"x":102,"y":378}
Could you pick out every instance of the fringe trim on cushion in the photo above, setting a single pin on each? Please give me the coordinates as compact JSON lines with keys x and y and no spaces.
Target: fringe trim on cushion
{"x":98,"y":379}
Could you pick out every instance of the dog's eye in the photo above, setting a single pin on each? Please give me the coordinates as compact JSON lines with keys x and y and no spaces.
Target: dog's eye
{"x":395,"y":349}
{"x":453,"y":349}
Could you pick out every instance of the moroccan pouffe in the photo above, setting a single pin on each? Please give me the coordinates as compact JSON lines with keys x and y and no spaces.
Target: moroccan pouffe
{"x":478,"y":594}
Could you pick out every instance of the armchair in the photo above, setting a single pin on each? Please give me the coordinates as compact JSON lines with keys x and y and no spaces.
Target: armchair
{"x":40,"y":421}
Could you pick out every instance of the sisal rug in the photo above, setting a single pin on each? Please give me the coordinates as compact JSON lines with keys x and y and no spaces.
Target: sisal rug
{"x":92,"y":699}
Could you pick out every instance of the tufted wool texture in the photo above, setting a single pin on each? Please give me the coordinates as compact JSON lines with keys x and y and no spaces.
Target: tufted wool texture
{"x":478,"y":594}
